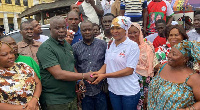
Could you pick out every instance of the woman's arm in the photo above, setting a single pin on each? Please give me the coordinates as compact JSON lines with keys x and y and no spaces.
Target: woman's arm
{"x":124,"y":72}
{"x":5,"y":106}
{"x":194,"y":82}
{"x":32,"y":104}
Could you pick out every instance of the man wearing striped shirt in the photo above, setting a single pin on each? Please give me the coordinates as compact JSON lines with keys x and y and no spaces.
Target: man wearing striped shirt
{"x":89,"y":54}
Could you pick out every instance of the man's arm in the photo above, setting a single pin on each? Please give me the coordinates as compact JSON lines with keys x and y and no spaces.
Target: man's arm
{"x":98,"y":8}
{"x":60,"y":74}
{"x":170,"y":19}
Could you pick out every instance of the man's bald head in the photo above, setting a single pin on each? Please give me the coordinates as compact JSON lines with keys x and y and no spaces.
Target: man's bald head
{"x":55,"y":19}
{"x":74,"y":7}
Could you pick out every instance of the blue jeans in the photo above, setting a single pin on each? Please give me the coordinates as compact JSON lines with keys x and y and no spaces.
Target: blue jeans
{"x":121,"y":102}
{"x":97,"y":102}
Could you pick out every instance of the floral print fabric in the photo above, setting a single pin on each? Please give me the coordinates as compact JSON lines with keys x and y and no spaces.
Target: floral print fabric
{"x":162,"y":52}
{"x":17,"y":84}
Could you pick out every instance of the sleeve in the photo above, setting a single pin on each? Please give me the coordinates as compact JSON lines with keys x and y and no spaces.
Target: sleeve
{"x":133,"y":57}
{"x":113,"y":9}
{"x":36,"y":68}
{"x":46,"y":57}
{"x":99,"y":5}
{"x":170,"y":11}
{"x":144,"y":5}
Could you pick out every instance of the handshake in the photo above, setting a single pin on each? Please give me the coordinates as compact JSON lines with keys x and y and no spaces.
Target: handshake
{"x":94,"y":77}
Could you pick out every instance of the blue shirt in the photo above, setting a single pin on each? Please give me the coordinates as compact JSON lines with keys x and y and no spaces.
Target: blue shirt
{"x":77,"y":36}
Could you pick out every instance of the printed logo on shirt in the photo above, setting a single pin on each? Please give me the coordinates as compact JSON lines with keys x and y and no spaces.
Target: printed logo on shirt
{"x":163,"y":8}
{"x":122,"y":54}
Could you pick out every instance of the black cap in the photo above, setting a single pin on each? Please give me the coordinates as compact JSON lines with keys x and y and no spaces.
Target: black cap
{"x":2,"y":29}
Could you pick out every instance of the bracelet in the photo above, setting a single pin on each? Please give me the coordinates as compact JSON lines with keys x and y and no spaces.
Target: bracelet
{"x":193,"y":107}
{"x":82,"y":76}
{"x":36,"y":97}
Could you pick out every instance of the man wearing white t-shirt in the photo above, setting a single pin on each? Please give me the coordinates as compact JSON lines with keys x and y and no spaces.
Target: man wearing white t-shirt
{"x":38,"y":31}
{"x":194,"y":34}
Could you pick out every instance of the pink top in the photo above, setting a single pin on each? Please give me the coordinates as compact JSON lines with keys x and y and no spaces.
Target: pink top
{"x":145,"y":63}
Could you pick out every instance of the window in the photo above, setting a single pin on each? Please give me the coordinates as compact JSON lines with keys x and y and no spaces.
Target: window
{"x":8,"y":1}
{"x":25,"y":2}
{"x":17,"y":2}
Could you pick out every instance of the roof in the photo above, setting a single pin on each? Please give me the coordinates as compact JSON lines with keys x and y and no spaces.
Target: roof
{"x":46,"y":6}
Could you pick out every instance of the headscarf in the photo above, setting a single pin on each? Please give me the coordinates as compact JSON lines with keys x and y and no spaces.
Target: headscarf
{"x":122,"y":21}
{"x":189,"y":49}
{"x":141,"y":38}
{"x":144,"y":67}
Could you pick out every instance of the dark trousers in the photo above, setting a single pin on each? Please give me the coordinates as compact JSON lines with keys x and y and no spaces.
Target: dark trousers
{"x":97,"y":102}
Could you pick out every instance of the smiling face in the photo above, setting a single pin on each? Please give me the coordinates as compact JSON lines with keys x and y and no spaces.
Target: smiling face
{"x":7,"y":56}
{"x":174,"y":37}
{"x":87,"y":31}
{"x":27,"y":31}
{"x":133,"y":34}
{"x":118,"y":33}
{"x":176,"y":58}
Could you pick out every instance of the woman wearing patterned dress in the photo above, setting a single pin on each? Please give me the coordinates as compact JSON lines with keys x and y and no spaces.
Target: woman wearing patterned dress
{"x":145,"y":64}
{"x":20,"y":87}
{"x":177,"y":85}
{"x":175,"y":35}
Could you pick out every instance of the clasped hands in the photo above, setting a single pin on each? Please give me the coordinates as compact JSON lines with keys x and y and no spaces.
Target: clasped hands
{"x":94,"y":77}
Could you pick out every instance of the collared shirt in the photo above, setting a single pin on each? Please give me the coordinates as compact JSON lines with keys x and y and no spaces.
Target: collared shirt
{"x":119,"y":57}
{"x":77,"y":36}
{"x":52,"y":53}
{"x":90,"y":58}
{"x":103,"y":37}
{"x":43,"y":38}
{"x":193,"y":35}
{"x":30,"y":62}
{"x":29,"y":50}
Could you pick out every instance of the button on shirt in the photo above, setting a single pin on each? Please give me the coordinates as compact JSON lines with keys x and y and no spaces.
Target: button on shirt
{"x":126,"y":54}
{"x":193,"y":35}
{"x":90,"y":58}
{"x":29,"y":50}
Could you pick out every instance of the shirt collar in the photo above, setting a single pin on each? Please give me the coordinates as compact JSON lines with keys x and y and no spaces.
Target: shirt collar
{"x":125,"y":42}
{"x":24,"y":44}
{"x":94,"y":40}
{"x":55,"y":41}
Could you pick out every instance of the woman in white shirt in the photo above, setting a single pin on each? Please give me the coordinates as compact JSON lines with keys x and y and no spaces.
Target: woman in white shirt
{"x":119,"y":68}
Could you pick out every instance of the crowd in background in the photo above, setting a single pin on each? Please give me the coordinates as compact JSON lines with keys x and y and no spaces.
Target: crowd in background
{"x":106,"y":55}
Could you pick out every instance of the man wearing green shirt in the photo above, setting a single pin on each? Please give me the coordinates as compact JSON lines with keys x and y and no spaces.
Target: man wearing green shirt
{"x":20,"y":58}
{"x":57,"y":70}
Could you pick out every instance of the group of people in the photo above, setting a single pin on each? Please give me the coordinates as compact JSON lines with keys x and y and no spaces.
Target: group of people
{"x":102,"y":63}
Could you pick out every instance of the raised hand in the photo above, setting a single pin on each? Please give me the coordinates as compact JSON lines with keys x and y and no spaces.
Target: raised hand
{"x":90,"y":1}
